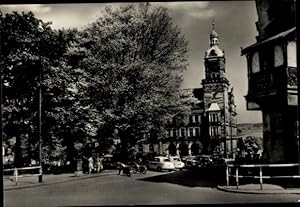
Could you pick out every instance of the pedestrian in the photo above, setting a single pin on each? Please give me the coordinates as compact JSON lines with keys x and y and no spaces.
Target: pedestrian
{"x":99,"y":164}
{"x":91,"y":164}
{"x":121,"y":167}
{"x":84,"y":165}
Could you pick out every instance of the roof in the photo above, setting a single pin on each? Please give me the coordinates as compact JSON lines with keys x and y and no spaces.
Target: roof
{"x":214,"y":107}
{"x":214,"y":51}
{"x":273,"y":38}
{"x":198,"y":93}
{"x":214,"y":34}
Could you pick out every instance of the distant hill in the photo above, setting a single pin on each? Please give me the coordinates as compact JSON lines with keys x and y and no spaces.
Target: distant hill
{"x":250,"y":129}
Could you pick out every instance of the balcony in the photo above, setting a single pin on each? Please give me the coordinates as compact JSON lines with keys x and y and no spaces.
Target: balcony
{"x":278,"y":83}
{"x":267,"y":82}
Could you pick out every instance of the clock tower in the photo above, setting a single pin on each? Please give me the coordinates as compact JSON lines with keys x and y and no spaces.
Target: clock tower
{"x":219,"y":106}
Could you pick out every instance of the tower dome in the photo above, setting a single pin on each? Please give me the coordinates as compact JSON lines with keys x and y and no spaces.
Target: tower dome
{"x":214,"y":50}
{"x":213,"y":33}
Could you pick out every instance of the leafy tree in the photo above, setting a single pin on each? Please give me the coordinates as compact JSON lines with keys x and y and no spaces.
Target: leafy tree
{"x":29,"y":46}
{"x":23,"y":41}
{"x":249,"y":147}
{"x":135,"y":62}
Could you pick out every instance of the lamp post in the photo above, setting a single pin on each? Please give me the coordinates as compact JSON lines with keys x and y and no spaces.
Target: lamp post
{"x":1,"y":118}
{"x":231,"y":139}
{"x":1,"y":128}
{"x":40,"y":124}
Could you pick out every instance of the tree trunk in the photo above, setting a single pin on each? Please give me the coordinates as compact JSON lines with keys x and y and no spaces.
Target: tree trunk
{"x":17,"y":157}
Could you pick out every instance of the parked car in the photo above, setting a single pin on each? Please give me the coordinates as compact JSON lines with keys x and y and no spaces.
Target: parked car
{"x":188,"y":161}
{"x":177,"y":162}
{"x":203,"y":161}
{"x":191,"y":162}
{"x":161,"y":163}
{"x":109,"y":162}
{"x":223,"y":161}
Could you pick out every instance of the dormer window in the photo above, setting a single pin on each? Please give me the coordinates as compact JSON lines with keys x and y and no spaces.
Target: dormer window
{"x":291,"y":54}
{"x":278,"y":56}
{"x":255,"y":66}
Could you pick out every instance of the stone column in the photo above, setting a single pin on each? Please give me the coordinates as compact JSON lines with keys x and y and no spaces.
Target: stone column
{"x":190,"y":148}
{"x":177,"y":149}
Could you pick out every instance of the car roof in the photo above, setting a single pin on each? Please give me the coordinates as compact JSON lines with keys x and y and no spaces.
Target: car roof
{"x":108,"y":155}
{"x":160,"y":157}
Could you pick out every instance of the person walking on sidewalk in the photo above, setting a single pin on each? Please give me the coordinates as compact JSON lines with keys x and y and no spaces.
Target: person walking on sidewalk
{"x":91,"y":164}
{"x":99,"y":164}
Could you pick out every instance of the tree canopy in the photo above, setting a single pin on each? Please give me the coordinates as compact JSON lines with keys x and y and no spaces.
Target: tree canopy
{"x":117,"y":78}
{"x":135,"y":60}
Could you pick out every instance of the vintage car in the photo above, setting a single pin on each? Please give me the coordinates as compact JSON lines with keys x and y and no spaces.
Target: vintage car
{"x":160,"y":163}
{"x":177,"y":162}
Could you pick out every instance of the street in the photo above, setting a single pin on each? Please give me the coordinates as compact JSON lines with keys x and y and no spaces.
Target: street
{"x":181,"y":187}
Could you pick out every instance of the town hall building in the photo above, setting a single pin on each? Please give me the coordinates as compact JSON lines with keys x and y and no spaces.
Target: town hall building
{"x":212,"y":125}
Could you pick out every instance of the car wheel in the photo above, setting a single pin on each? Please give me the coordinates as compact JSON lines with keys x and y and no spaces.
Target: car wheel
{"x":134,"y":170}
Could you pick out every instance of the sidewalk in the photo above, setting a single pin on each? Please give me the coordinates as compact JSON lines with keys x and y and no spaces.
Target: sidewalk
{"x":48,"y":179}
{"x":255,"y":189}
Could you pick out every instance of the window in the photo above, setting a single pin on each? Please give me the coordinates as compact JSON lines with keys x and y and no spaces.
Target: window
{"x":216,"y":117}
{"x":190,"y":132}
{"x":213,"y":117}
{"x":255,"y":66}
{"x":168,"y":133}
{"x":213,"y":131}
{"x":197,"y":131}
{"x":199,"y":119}
{"x":182,"y":132}
{"x":194,"y":132}
{"x":193,"y":119}
{"x":210,"y":131}
{"x":174,"y":132}
{"x":278,"y":56}
{"x":216,"y":131}
{"x":291,"y":54}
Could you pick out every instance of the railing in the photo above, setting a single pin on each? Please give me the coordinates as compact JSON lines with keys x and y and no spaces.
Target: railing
{"x":17,"y":175}
{"x":260,"y":176}
{"x":268,"y":80}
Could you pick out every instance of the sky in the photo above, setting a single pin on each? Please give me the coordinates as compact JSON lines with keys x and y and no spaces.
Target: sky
{"x":234,"y":22}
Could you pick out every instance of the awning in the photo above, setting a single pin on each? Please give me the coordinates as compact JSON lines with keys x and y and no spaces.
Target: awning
{"x":276,"y":37}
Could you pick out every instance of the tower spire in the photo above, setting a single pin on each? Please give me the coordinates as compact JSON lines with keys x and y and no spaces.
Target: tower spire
{"x":214,"y":37}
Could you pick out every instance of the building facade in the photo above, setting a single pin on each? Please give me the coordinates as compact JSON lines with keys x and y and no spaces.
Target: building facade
{"x":272,"y":78}
{"x":212,"y":125}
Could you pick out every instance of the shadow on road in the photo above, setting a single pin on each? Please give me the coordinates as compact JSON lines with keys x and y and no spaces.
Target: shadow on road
{"x":209,"y":177}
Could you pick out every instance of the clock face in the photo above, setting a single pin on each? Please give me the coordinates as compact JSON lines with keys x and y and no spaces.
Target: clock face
{"x":278,"y":56}
{"x":255,"y":62}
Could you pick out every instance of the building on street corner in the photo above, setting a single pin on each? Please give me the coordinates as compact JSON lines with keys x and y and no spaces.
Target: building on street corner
{"x":212,"y":126}
{"x":272,"y":78}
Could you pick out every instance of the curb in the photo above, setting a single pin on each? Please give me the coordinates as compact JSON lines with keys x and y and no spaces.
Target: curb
{"x":231,"y":190}
{"x":70,"y":179}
